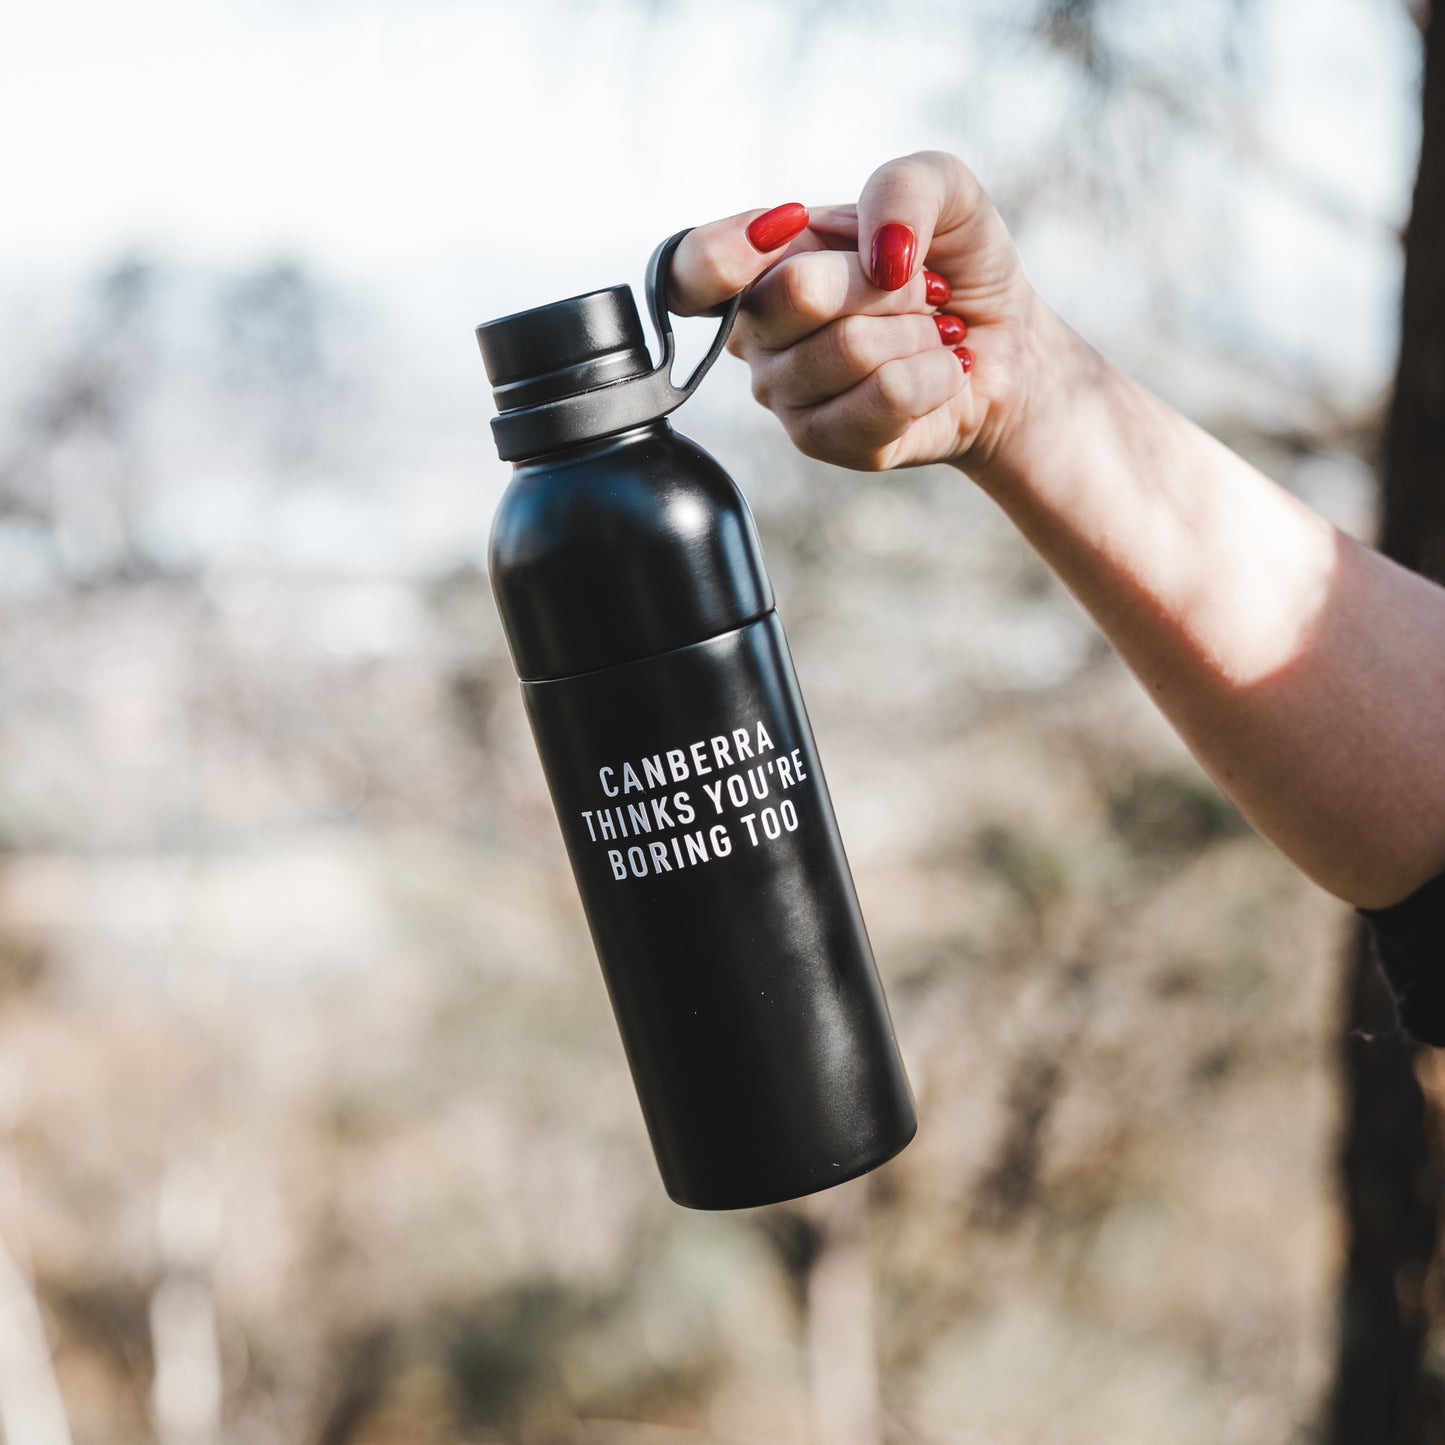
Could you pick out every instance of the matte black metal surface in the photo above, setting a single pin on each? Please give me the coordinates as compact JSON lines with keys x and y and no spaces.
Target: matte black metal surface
{"x":564,"y":347}
{"x":632,"y":590}
{"x":620,"y":549}
{"x":704,"y":844}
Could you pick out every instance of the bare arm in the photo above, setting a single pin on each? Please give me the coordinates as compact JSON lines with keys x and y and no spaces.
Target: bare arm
{"x":1305,"y":671}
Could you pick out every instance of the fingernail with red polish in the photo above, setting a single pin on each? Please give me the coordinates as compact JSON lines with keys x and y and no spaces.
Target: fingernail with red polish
{"x":951,"y":329}
{"x":891,"y":262}
{"x":777,"y":227}
{"x":965,"y":357}
{"x":938,"y":290}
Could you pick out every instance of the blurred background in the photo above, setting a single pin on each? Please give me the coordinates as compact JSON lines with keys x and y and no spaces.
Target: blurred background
{"x":314,"y":1124}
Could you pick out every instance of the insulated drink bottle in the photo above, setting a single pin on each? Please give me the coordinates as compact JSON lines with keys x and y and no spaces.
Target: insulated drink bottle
{"x":661,"y":694}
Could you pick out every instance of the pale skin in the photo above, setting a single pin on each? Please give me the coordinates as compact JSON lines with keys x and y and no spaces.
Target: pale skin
{"x":1304,"y":670}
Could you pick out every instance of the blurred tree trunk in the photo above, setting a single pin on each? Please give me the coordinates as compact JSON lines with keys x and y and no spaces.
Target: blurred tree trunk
{"x":841,"y":1343}
{"x":1391,"y":1303}
{"x":821,"y":1244}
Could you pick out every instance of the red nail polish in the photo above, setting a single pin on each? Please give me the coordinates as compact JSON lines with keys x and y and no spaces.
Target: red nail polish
{"x":777,"y":227}
{"x":891,"y":262}
{"x":965,"y":357}
{"x":939,"y":291}
{"x":951,"y":329}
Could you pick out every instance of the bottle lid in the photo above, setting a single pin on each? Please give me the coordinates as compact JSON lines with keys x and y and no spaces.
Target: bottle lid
{"x":579,"y":369}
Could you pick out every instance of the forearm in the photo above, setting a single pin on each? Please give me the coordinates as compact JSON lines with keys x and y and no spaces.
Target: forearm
{"x":1305,"y":671}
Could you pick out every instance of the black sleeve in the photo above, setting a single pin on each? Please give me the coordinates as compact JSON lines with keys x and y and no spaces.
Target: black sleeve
{"x":1409,"y":940}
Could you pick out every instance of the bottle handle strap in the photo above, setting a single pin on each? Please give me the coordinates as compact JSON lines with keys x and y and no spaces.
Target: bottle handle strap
{"x":628,"y":402}
{"x":658,"y":270}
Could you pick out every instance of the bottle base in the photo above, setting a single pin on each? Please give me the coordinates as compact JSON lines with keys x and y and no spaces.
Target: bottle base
{"x":824,"y":1177}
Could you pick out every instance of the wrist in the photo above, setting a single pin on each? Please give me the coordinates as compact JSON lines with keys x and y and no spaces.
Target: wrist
{"x":1053,"y":374}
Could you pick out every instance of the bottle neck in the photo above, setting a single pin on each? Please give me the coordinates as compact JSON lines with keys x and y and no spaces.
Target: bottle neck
{"x":593,"y":447}
{"x":622,"y":548}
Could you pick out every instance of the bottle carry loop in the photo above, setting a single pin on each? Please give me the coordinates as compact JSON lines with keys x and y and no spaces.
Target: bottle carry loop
{"x":658,"y":271}
{"x":616,"y":405}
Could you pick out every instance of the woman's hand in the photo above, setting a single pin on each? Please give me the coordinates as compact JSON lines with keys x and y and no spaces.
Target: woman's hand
{"x":923,"y":353}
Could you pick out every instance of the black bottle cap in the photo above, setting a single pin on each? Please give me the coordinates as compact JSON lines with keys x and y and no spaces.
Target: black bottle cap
{"x":564,"y":348}
{"x":579,"y":369}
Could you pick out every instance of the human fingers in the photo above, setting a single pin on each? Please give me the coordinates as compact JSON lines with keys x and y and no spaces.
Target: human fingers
{"x":714,"y":262}
{"x":904,"y":203}
{"x":840,"y":355}
{"x":804,"y":292}
{"x":835,"y":226}
{"x":867,"y":427}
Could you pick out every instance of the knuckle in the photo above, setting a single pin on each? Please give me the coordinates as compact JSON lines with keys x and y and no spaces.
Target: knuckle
{"x":809,"y":434}
{"x":708,"y":279}
{"x":958,"y":188}
{"x":915,"y":169}
{"x":905,"y":175}
{"x":762,"y":388}
{"x":720,"y":282}
{"x":713,"y":277}
{"x":851,"y":338}
{"x":804,"y":290}
{"x":742,"y":343}
{"x":893,"y":385}
{"x":960,"y":180}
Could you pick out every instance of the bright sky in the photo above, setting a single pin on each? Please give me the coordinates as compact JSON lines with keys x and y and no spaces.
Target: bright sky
{"x":475,"y":157}
{"x":378,"y":133}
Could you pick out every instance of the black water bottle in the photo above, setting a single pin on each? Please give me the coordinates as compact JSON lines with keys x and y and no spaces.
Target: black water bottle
{"x":661,"y":694}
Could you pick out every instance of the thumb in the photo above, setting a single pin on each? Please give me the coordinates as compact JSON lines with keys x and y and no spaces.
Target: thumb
{"x":714,"y":262}
{"x":899,"y":212}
